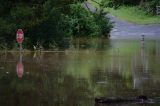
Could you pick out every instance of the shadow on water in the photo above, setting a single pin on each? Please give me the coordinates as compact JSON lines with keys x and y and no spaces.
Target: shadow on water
{"x":84,"y":70}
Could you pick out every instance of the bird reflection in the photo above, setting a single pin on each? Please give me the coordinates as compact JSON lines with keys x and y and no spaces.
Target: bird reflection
{"x":20,"y":67}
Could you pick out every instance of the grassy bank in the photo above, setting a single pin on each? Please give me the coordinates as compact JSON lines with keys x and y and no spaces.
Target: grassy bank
{"x":131,"y":14}
{"x":134,"y":15}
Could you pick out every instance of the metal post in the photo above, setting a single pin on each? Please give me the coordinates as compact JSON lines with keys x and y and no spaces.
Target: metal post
{"x":20,"y":47}
{"x":20,"y":57}
{"x":20,"y":52}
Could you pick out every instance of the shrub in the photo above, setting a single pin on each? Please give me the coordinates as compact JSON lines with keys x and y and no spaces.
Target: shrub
{"x":84,"y":23}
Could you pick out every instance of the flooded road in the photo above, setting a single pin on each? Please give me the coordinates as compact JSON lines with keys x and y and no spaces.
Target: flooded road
{"x":77,"y":74}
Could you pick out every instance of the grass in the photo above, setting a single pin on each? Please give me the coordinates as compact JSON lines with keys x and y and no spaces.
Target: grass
{"x":134,"y":15}
{"x":131,"y":14}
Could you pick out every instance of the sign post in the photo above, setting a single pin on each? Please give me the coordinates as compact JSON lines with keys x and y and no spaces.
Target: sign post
{"x":20,"y":38}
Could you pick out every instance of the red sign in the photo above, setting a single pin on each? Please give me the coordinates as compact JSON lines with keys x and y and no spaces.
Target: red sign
{"x":19,"y":36}
{"x":20,"y":69}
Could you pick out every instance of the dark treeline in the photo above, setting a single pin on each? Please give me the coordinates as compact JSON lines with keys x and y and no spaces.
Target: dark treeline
{"x":149,"y":6}
{"x":47,"y":23}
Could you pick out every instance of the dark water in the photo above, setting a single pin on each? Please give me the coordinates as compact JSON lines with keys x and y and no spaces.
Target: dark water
{"x":85,"y":70}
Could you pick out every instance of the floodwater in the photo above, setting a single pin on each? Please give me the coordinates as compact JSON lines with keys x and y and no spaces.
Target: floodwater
{"x":80,"y":72}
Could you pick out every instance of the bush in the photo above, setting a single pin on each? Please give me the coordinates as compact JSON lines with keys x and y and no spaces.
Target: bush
{"x":103,"y":22}
{"x":84,"y":23}
{"x":80,"y":22}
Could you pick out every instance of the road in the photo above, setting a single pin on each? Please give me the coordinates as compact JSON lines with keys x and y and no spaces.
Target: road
{"x":123,"y":29}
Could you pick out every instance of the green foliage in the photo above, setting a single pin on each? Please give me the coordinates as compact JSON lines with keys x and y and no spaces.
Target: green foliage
{"x":47,"y":23}
{"x":149,"y":6}
{"x":80,"y":22}
{"x":102,"y":21}
{"x":104,"y":24}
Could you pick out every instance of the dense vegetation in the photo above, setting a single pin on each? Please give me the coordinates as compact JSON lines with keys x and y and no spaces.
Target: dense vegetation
{"x":47,"y":23}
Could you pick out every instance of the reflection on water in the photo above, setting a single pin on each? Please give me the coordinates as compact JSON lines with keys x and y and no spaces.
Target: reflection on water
{"x":20,"y":68}
{"x":75,"y":76}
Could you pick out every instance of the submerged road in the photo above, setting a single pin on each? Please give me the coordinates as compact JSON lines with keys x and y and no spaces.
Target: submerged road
{"x":123,"y":29}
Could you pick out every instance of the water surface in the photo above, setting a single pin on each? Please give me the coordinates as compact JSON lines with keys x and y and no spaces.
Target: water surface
{"x":81,"y":71}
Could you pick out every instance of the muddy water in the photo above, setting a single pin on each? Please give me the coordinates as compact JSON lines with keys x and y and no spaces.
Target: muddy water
{"x":83,"y":70}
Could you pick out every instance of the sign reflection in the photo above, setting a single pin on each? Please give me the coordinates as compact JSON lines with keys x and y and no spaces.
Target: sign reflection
{"x":20,"y":67}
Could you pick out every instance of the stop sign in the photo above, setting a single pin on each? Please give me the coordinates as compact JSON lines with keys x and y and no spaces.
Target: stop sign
{"x":19,"y":36}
